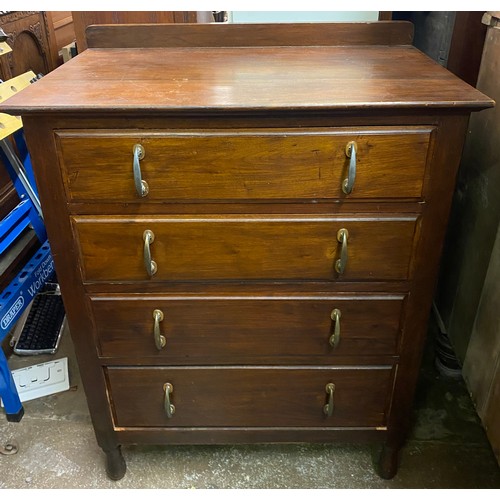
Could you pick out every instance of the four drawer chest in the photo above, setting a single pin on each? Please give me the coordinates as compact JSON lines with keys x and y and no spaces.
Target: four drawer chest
{"x":246,"y":223}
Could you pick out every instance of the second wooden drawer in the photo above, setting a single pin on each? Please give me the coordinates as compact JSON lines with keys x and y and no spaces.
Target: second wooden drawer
{"x":248,"y":247}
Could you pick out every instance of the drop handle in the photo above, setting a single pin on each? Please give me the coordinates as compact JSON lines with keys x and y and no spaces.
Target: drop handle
{"x":340,"y":264}
{"x":160,"y":340}
{"x":328,"y":408}
{"x":335,"y":337}
{"x":168,"y":389}
{"x":351,"y":150}
{"x":141,"y":186}
{"x":150,"y":265}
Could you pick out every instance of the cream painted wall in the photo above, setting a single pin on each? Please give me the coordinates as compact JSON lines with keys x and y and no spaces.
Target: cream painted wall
{"x":299,"y":16}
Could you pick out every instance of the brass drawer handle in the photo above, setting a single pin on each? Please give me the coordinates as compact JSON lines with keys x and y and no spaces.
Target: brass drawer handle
{"x":160,"y":340}
{"x":141,"y":186}
{"x":342,"y":237}
{"x":149,"y":263}
{"x":169,"y":407}
{"x":328,"y":408}
{"x":335,"y":337}
{"x":351,"y":150}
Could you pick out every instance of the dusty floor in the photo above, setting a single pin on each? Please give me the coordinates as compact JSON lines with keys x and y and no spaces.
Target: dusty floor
{"x":57,"y":449}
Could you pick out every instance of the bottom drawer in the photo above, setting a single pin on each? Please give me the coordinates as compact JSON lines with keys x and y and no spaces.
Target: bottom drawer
{"x":250,"y":397}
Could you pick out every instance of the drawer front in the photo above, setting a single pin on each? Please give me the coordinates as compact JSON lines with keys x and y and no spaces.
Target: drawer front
{"x":246,"y":397}
{"x":245,"y":247}
{"x":241,"y":330}
{"x":239,"y":165}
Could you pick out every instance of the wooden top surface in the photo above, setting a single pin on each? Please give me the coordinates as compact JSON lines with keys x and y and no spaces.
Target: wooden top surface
{"x":246,"y":79}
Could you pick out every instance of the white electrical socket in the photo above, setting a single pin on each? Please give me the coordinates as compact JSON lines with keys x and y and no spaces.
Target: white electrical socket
{"x":41,"y":380}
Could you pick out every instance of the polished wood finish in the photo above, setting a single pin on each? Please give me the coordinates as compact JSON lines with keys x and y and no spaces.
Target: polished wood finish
{"x":83,"y":19}
{"x":389,"y":462}
{"x":244,"y":397}
{"x":251,"y":35}
{"x":250,"y":248}
{"x":266,"y":164}
{"x":243,"y":330}
{"x":252,"y":79}
{"x":239,"y":276}
{"x":115,"y":464}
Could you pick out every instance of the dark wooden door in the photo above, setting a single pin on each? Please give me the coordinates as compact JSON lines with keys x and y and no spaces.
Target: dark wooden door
{"x":33,"y":44}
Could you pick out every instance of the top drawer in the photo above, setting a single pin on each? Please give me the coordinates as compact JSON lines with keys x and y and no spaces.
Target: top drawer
{"x":263,"y":164}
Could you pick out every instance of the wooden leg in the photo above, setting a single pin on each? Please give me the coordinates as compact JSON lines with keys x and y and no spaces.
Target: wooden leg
{"x":115,"y":464}
{"x":388,"y":462}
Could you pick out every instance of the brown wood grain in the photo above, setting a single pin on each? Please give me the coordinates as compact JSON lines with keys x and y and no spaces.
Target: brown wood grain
{"x":64,"y":250}
{"x":244,"y":164}
{"x":244,"y":397}
{"x":245,"y":247}
{"x":33,"y":43}
{"x":249,"y":288}
{"x":241,"y":435}
{"x":63,"y":28}
{"x":82,"y":19}
{"x":248,"y":35}
{"x":173,"y":80}
{"x":445,"y":161}
{"x":244,"y":330}
{"x":225,"y":255}
{"x":86,"y":18}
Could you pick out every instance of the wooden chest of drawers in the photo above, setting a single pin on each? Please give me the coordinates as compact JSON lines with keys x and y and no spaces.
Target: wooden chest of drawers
{"x":247,"y":236}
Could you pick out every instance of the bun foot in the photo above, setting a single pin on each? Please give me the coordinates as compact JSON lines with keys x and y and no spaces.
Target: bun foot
{"x":388,"y":462}
{"x":115,"y":464}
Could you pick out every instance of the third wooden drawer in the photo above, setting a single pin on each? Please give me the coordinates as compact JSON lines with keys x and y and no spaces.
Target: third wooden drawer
{"x":298,"y":328}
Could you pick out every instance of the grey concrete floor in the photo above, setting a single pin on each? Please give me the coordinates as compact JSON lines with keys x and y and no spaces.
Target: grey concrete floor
{"x":57,"y":449}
